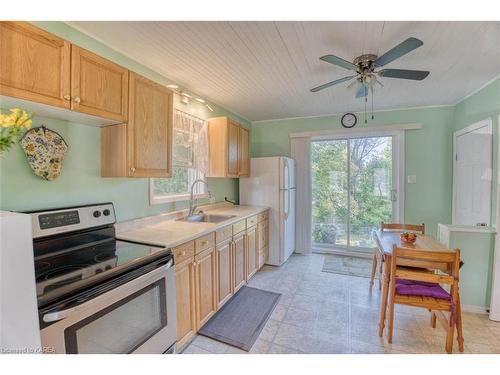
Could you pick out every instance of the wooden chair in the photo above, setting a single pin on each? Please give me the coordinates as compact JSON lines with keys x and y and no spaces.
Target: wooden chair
{"x":446,"y":267}
{"x":379,"y":258}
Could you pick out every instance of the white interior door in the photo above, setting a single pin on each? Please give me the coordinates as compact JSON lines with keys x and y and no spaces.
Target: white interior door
{"x":472,"y":174}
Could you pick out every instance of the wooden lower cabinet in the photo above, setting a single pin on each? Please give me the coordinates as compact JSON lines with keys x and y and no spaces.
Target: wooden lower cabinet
{"x":239,"y":261}
{"x":252,"y":252}
{"x":206,"y":286}
{"x":263,"y":241}
{"x":211,"y":269}
{"x":224,"y":272}
{"x":185,"y":301}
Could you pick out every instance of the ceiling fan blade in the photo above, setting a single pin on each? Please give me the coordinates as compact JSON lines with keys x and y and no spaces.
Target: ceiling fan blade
{"x":416,"y":75}
{"x":362,"y":91}
{"x":324,"y":86}
{"x":401,"y":49}
{"x":332,"y":59}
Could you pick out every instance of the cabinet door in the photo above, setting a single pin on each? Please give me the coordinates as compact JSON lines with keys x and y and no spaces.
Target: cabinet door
{"x":206,"y":284}
{"x":252,"y":252}
{"x":239,"y":266}
{"x":224,"y":273}
{"x":185,"y":302}
{"x":34,"y":64}
{"x":243,"y":155}
{"x":149,"y":129}
{"x":98,"y":86}
{"x":233,"y":136}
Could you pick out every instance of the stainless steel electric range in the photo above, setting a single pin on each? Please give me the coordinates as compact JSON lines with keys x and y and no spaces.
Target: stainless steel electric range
{"x":97,"y":294}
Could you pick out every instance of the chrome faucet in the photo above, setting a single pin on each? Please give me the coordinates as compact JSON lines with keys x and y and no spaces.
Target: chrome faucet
{"x":192,"y":206}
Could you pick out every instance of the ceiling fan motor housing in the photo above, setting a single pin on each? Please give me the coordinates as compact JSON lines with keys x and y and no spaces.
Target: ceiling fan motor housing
{"x":365,"y":63}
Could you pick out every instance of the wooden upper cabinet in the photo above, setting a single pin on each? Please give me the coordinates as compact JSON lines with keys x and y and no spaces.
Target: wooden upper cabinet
{"x":228,"y":149}
{"x":232,"y":149}
{"x":34,"y":64}
{"x":243,"y":152}
{"x":150,"y":128}
{"x":98,"y":86}
{"x":143,"y":146}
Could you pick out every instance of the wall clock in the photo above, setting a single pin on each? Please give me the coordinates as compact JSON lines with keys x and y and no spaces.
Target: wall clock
{"x":349,"y":120}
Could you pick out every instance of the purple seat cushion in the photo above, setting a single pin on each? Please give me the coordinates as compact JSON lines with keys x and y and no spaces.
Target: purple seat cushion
{"x":421,"y":288}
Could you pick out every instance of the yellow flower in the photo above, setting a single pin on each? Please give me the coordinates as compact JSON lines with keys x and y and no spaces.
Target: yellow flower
{"x":27,"y":124}
{"x":7,"y":120}
{"x":15,"y":111}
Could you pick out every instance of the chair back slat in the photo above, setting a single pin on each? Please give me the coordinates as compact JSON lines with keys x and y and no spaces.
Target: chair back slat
{"x":420,"y":228}
{"x":445,"y":261}
{"x":427,"y":277}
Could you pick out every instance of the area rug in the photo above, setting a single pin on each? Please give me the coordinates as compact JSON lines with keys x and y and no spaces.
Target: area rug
{"x":348,"y":265}
{"x":240,"y":321}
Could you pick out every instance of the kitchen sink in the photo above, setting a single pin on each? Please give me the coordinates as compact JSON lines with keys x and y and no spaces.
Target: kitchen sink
{"x":206,"y":218}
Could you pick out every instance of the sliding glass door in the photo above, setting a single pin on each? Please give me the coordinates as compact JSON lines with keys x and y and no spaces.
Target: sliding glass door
{"x":354,"y":188}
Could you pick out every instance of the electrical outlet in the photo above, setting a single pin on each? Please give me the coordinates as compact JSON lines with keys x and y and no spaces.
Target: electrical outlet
{"x":412,"y":179}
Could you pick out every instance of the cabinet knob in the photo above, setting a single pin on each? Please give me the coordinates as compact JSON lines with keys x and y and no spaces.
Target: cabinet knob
{"x":183,"y":253}
{"x":77,"y":100}
{"x":67,"y":97}
{"x":132,"y":169}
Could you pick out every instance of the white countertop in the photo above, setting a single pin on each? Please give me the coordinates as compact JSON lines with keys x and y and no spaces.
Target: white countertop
{"x":170,"y":233}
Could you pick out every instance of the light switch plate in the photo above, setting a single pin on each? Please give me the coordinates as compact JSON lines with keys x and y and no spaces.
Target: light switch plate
{"x":412,"y":179}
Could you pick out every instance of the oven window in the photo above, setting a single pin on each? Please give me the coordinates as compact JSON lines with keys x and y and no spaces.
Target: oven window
{"x":123,"y":326}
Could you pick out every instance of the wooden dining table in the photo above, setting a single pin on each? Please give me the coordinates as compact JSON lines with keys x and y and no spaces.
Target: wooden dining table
{"x":386,"y":241}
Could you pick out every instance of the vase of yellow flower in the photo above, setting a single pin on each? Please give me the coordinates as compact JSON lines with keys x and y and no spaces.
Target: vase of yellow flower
{"x":12,"y":126}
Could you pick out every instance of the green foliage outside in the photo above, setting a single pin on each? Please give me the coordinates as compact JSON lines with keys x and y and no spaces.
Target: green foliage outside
{"x":370,"y":177}
{"x":177,"y":184}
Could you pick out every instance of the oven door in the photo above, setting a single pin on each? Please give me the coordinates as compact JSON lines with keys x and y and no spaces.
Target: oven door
{"x":136,"y":315}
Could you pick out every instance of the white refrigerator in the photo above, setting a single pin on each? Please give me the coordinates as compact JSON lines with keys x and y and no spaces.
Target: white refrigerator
{"x":272,"y":183}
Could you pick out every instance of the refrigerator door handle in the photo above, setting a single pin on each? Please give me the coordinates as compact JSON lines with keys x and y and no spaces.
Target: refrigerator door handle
{"x":287,"y":211}
{"x":286,"y":173}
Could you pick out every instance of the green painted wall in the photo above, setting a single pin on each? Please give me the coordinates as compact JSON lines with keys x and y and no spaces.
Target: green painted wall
{"x":428,"y":154}
{"x":80,"y":181}
{"x":483,"y":104}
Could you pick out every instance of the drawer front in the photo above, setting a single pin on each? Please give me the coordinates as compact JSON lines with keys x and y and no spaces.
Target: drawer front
{"x":223,"y":234}
{"x":240,"y":226}
{"x":263,"y":238}
{"x":183,"y":252}
{"x":251,"y":221}
{"x":204,"y":242}
{"x":263,"y":216}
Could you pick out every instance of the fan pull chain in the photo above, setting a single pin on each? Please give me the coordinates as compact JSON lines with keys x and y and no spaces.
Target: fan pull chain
{"x":366,"y":100}
{"x":373,"y":92}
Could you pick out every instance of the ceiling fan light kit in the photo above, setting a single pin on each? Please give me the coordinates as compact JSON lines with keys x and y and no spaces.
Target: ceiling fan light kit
{"x":367,"y":76}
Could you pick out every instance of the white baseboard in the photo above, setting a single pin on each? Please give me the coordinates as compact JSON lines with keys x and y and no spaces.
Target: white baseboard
{"x":475,"y":309}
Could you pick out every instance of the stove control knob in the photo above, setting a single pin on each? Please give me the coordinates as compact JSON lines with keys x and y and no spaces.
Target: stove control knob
{"x":98,"y":270}
{"x":96,"y":214}
{"x":106,"y":212}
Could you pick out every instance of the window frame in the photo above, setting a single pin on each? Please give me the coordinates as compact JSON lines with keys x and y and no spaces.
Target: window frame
{"x":179,"y":197}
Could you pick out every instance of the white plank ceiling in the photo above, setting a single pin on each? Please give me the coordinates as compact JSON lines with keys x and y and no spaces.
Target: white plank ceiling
{"x":264,"y":70}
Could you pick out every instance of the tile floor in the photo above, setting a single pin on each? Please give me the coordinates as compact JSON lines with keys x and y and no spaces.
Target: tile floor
{"x":329,"y":313}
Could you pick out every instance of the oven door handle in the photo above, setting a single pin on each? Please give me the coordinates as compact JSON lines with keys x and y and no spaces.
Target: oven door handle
{"x":55,"y":316}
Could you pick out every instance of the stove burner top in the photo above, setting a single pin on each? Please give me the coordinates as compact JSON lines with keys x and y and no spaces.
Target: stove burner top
{"x":56,"y":272}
